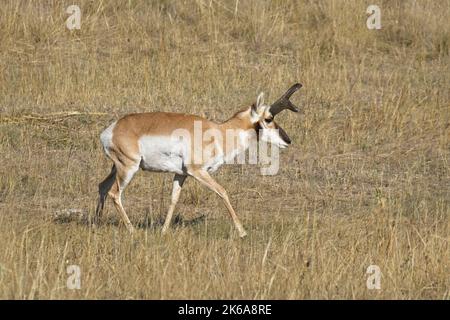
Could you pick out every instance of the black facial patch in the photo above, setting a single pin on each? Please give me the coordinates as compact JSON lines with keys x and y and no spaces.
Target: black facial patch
{"x":284,"y":135}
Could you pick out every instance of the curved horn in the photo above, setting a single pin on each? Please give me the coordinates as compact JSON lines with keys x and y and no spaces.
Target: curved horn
{"x":284,"y":102}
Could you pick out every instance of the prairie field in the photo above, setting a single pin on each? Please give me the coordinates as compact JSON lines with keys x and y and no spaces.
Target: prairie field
{"x":366,"y":181}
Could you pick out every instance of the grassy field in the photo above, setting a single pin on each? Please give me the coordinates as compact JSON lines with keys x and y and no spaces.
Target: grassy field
{"x":365,"y":182}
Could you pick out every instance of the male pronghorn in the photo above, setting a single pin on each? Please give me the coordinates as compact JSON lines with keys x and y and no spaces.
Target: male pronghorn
{"x":146,"y":141}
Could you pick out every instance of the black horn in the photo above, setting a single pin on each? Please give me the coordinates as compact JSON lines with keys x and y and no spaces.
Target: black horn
{"x":284,"y":102}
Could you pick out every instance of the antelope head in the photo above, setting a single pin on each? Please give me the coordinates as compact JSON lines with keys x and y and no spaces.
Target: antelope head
{"x":263,"y":118}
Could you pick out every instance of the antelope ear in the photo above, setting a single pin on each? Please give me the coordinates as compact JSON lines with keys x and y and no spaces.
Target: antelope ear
{"x":260,"y":100}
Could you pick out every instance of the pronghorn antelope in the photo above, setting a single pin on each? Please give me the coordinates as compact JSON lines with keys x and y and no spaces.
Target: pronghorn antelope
{"x":145,"y":140}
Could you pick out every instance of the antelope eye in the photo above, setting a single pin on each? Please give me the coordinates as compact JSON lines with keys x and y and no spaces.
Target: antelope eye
{"x":269,"y":120}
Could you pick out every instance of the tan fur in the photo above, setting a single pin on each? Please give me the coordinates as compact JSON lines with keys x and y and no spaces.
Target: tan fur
{"x":131,"y":127}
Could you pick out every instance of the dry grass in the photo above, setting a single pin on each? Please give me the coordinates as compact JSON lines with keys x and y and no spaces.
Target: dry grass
{"x":366,"y":181}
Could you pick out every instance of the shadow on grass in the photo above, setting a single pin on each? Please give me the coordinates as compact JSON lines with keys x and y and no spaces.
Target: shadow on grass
{"x":177,"y":221}
{"x":150,"y":223}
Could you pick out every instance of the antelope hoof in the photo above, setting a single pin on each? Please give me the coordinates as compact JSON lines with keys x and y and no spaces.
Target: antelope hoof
{"x":131,"y":229}
{"x":95,"y":224}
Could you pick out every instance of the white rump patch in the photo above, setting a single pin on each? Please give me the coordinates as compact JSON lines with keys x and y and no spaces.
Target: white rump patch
{"x":106,"y":137}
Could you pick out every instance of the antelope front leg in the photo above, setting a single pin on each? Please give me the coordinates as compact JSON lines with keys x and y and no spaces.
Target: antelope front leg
{"x":207,"y":180}
{"x":178,"y":181}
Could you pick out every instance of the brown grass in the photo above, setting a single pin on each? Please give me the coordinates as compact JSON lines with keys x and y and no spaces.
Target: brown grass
{"x":366,"y":181}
